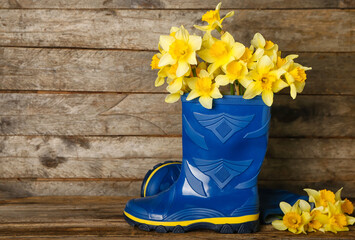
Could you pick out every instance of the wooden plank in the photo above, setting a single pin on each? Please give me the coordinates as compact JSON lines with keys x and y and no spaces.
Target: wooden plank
{"x":101,"y":218}
{"x":26,"y":188}
{"x":59,"y":148}
{"x":181,"y":4}
{"x":148,"y":114}
{"x":312,"y":30}
{"x":102,"y":70}
{"x":136,"y":168}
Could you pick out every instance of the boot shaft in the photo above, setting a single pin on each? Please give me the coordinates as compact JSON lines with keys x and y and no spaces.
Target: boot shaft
{"x":228,"y":142}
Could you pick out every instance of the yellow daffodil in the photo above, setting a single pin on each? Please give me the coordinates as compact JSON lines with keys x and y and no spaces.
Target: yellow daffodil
{"x":155,"y":61}
{"x":179,"y":47}
{"x":337,"y":220}
{"x":346,"y":205}
{"x":270,"y":48}
{"x":318,"y":220}
{"x":176,"y":87}
{"x":162,"y":75}
{"x":213,"y":19}
{"x":320,"y":198}
{"x":295,"y":76}
{"x":294,"y":219}
{"x":266,"y":81}
{"x":233,"y":71}
{"x":250,"y":57}
{"x":220,"y":52}
{"x":204,"y":88}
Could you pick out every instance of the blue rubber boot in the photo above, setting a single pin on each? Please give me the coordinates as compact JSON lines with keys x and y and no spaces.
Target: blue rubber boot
{"x":163,"y":175}
{"x":223,"y":150}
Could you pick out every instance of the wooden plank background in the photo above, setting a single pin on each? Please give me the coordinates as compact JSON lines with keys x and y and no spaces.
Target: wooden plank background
{"x":79,"y":113}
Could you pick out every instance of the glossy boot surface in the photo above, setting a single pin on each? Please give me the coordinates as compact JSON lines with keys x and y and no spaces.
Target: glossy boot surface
{"x":223,"y":150}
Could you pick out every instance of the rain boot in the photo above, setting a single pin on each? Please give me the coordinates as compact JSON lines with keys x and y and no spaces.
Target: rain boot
{"x":223,"y":150}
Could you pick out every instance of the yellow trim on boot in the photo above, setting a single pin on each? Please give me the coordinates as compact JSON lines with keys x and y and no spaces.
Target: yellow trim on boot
{"x":151,"y":175}
{"x":218,"y":220}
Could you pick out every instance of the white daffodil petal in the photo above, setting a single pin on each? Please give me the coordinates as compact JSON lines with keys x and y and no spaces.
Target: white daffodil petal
{"x":166,"y":59}
{"x":264,"y":65}
{"x":222,"y":80}
{"x":183,"y":68}
{"x":192,"y":95}
{"x":206,"y":101}
{"x":192,"y":59}
{"x":171,"y":98}
{"x":175,"y":86}
{"x":182,"y":34}
{"x":245,"y":82}
{"x":165,"y":41}
{"x":285,"y":207}
{"x":279,"y":225}
{"x":228,"y":38}
{"x":238,"y":50}
{"x":191,"y":82}
{"x":268,"y":97}
{"x":293,"y":91}
{"x":258,"y":41}
{"x":252,"y":90}
{"x":159,"y":81}
{"x":304,"y":206}
{"x":278,"y":85}
{"x":215,"y":93}
{"x":195,"y":42}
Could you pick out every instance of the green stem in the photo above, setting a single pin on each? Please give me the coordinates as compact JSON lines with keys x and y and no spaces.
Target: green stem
{"x":194,"y":71}
{"x":231,"y":86}
{"x":220,"y":30}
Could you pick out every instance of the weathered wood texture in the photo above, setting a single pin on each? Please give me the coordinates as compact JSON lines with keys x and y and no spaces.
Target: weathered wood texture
{"x":148,"y":114}
{"x":129,"y":71}
{"x":297,"y":30}
{"x":101,"y":218}
{"x":182,"y":4}
{"x":79,"y":114}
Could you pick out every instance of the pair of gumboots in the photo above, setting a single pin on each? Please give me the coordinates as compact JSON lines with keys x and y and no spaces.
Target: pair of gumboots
{"x":215,"y":185}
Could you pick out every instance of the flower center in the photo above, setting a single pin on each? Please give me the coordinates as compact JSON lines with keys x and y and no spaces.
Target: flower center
{"x":292,"y":220}
{"x":266,"y":81}
{"x":315,"y":224}
{"x":178,"y":49}
{"x":325,"y":197}
{"x":235,"y":68}
{"x":280,"y":62}
{"x":247,"y":55}
{"x":347,"y":206}
{"x":211,"y":16}
{"x":299,"y":74}
{"x":338,"y":220}
{"x":219,"y":49}
{"x":268,"y":45}
{"x":204,"y":86}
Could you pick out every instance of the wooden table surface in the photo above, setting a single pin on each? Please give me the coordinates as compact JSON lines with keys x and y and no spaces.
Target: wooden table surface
{"x":101,"y":218}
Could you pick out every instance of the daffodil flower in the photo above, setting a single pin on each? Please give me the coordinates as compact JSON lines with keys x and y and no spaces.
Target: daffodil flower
{"x":233,"y":71}
{"x":204,"y":88}
{"x":346,"y":205}
{"x":251,"y":57}
{"x":220,"y":52}
{"x":295,"y":76}
{"x":181,"y":49}
{"x":318,"y":220}
{"x":294,"y":219}
{"x":320,"y":198}
{"x":213,"y":19}
{"x":265,"y":81}
{"x":270,"y":48}
{"x":337,"y":220}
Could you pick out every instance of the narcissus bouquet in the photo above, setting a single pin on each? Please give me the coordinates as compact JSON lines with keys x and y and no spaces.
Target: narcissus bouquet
{"x":201,"y":66}
{"x":330,"y":213}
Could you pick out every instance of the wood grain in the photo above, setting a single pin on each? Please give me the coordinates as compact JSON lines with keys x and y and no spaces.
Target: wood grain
{"x":148,"y":114}
{"x":101,"y":218}
{"x":59,"y":148}
{"x":103,"y":70}
{"x":136,"y":168}
{"x":311,"y":30}
{"x":165,"y":4}
{"x":10,"y":189}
